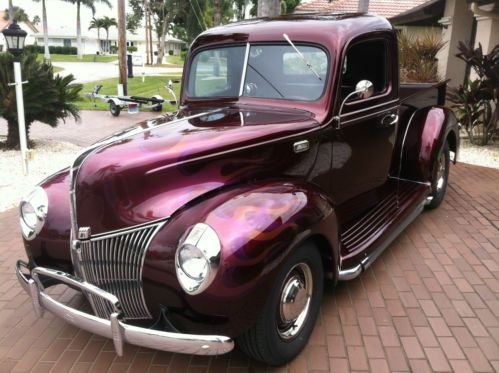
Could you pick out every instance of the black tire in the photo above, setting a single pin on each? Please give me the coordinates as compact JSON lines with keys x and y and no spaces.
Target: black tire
{"x":265,"y":340}
{"x":157,"y":108}
{"x":440,"y":178}
{"x":114,"y":109}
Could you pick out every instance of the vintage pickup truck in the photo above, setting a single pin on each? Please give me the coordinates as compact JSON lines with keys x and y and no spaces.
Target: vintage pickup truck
{"x":295,"y":158}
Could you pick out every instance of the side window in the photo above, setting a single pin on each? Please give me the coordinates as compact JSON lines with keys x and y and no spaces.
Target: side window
{"x":365,"y":60}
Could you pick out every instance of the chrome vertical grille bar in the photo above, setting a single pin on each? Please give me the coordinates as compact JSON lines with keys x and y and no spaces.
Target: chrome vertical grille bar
{"x":114,"y":262}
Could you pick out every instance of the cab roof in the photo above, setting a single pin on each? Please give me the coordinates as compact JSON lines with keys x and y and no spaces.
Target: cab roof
{"x":306,"y":27}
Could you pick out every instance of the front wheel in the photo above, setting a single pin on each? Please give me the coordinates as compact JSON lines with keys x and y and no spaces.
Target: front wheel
{"x":440,"y":178}
{"x":289,"y":316}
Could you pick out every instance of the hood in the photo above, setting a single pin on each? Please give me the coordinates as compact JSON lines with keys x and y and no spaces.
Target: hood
{"x":151,"y":170}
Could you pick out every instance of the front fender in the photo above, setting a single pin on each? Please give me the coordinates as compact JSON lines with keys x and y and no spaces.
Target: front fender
{"x":426,"y":133}
{"x":258,"y":225}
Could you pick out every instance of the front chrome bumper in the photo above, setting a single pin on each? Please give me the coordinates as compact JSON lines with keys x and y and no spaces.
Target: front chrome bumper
{"x":113,"y":328}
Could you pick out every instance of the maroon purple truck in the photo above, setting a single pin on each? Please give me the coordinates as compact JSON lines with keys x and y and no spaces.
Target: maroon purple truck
{"x":295,"y":158}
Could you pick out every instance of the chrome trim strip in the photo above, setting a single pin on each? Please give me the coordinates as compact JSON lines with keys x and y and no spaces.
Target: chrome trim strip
{"x":116,"y":329}
{"x":353,"y":272}
{"x":245,"y":66}
{"x":403,"y":141}
{"x":367,"y":116}
{"x":427,"y":183}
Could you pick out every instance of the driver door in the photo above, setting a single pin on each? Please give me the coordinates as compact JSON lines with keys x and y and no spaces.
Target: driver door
{"x":364,"y":140}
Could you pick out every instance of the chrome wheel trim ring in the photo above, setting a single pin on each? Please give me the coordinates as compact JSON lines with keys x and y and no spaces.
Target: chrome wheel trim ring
{"x":440,"y":172}
{"x":294,"y":301}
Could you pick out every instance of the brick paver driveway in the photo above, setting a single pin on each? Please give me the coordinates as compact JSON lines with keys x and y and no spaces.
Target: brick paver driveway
{"x":430,"y":302}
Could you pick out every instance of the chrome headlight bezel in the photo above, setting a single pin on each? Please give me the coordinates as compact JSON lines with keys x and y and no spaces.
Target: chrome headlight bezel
{"x":204,"y":239}
{"x":37,"y":200}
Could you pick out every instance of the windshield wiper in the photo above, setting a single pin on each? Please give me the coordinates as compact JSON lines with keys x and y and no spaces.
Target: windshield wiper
{"x":309,"y":65}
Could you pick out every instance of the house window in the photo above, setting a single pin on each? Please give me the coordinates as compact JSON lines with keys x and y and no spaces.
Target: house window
{"x":67,"y":42}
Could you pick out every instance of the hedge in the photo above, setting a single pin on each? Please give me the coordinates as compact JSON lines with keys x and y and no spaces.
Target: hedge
{"x":52,"y":49}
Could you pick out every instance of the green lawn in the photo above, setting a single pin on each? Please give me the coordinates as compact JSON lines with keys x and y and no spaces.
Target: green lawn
{"x":175,"y":60}
{"x":74,"y":58}
{"x":153,"y":85}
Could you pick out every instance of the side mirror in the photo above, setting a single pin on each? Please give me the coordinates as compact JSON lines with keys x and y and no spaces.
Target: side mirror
{"x":364,"y":89}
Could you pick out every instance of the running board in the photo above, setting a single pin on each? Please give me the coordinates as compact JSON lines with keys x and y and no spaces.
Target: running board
{"x":353,"y":272}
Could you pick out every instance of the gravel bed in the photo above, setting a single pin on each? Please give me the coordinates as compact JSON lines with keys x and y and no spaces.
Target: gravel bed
{"x":486,"y":156}
{"x":49,"y":157}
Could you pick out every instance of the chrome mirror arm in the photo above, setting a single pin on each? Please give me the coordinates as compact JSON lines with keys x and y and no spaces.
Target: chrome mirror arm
{"x":337,"y":118}
{"x":364,"y":89}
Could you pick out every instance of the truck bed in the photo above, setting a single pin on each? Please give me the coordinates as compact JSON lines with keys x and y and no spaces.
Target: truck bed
{"x":420,"y":95}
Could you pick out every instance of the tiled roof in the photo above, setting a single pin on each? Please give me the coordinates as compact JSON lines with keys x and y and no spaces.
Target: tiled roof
{"x":385,"y":8}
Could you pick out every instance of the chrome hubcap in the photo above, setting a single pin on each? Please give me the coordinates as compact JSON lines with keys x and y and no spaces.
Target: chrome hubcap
{"x":441,"y":172}
{"x":295,"y":301}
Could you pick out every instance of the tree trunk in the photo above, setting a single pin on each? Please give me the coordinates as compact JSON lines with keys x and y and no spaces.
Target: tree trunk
{"x":217,"y":17}
{"x":98,"y":40}
{"x":122,"y":45}
{"x":78,"y":30}
{"x":147,"y":35}
{"x":161,"y":41}
{"x":269,"y":8}
{"x":11,"y":11}
{"x":108,"y":47}
{"x":363,"y":6}
{"x":151,"y":53}
{"x":46,"y":55}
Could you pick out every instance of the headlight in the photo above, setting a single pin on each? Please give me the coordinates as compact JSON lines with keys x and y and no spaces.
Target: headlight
{"x":33,"y":212}
{"x":197,"y":258}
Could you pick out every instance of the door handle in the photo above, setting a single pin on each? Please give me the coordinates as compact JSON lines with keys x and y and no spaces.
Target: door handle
{"x":389,"y":120}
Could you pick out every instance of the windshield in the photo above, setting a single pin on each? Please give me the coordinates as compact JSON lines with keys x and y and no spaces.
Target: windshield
{"x":270,"y":71}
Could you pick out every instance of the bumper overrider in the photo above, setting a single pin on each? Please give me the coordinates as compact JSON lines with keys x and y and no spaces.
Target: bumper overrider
{"x":113,"y":328}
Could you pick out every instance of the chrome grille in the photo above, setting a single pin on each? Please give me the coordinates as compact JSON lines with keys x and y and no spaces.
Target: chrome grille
{"x":114,"y":263}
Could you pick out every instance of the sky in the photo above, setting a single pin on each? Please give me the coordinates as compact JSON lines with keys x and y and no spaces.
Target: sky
{"x":61,"y":15}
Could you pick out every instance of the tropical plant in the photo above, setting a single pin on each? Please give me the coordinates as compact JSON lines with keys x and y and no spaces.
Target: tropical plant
{"x":107,"y":23}
{"x":418,"y":57}
{"x":48,"y":98}
{"x":36,"y":20}
{"x":91,"y":5}
{"x":46,"y":53}
{"x":97,"y":23}
{"x":18,"y":13}
{"x":476,"y":102}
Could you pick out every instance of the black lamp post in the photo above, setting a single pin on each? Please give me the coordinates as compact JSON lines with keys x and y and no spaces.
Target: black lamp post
{"x":15,"y":37}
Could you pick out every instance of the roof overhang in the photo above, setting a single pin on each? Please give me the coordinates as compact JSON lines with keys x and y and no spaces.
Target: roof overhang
{"x":424,"y":12}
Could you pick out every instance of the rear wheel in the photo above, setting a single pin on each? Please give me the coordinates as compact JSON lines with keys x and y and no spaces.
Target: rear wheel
{"x":114,"y":109}
{"x":289,"y":316}
{"x":440,"y":178}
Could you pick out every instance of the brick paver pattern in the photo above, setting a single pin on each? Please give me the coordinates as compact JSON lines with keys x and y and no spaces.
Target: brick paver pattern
{"x":429,"y":303}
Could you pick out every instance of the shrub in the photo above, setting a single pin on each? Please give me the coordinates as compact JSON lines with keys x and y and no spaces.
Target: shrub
{"x":131,"y":48}
{"x":47,"y":98}
{"x":113,"y":49}
{"x":170,"y":52}
{"x":476,"y":102}
{"x":418,"y":57}
{"x":183,"y":54}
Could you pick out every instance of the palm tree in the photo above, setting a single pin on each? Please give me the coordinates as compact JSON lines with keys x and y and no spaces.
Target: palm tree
{"x":89,"y":4}
{"x":97,"y":23}
{"x":17,"y":13}
{"x":46,"y":54}
{"x":48,"y":97}
{"x":106,"y":24}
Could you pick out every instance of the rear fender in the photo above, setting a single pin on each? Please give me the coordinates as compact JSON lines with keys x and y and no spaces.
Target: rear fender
{"x":424,"y":137}
{"x":258,"y":226}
